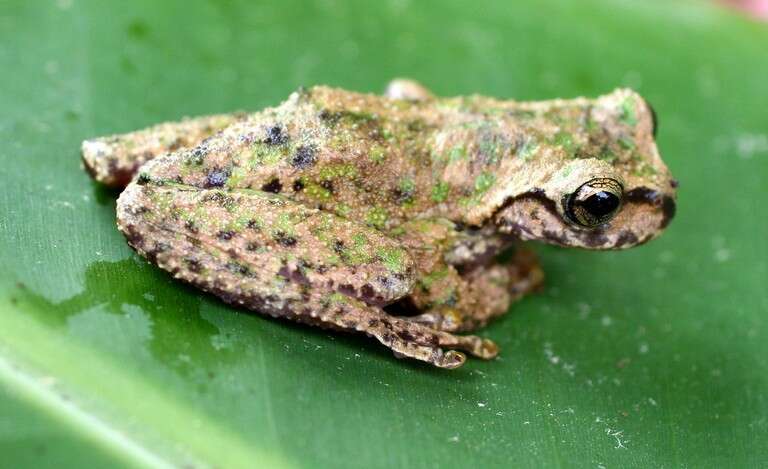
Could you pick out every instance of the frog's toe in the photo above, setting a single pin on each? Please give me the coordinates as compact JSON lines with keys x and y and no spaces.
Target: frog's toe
{"x":445,"y":319}
{"x":450,"y":360}
{"x":488,"y":349}
{"x":476,"y":346}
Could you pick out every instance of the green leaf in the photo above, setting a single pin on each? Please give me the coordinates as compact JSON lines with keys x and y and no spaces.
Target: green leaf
{"x":651,"y":358}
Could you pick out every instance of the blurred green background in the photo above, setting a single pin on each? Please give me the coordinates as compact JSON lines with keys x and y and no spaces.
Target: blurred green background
{"x":655,"y":357}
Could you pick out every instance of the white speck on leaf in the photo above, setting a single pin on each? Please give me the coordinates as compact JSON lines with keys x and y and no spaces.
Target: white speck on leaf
{"x":584,"y":310}
{"x":722,"y":255}
{"x":666,"y":257}
{"x":64,"y":203}
{"x":617,"y":434}
{"x":747,"y":145}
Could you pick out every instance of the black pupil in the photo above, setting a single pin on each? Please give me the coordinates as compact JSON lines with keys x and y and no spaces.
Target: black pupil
{"x":601,"y":204}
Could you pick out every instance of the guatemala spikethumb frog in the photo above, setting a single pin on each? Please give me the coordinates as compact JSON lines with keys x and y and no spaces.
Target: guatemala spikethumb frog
{"x":387,"y":214}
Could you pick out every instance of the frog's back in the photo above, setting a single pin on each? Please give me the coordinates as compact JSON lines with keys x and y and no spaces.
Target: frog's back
{"x":362,"y":156}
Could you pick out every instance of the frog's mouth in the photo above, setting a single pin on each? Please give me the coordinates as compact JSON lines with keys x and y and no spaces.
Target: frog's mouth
{"x":533,"y":216}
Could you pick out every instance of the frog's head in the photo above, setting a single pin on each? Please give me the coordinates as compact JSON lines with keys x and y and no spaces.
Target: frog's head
{"x":607,"y":189}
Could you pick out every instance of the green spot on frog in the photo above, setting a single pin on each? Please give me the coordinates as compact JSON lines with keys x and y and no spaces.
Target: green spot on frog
{"x":161,"y":199}
{"x":236,"y":177}
{"x":358,"y":251}
{"x":628,"y":111}
{"x":263,"y":154}
{"x":377,"y":154}
{"x":483,"y":182}
{"x":343,"y":210}
{"x":528,"y":149}
{"x":337,"y":299}
{"x":359,"y":240}
{"x":440,"y":191}
{"x":641,"y":167}
{"x":393,"y":258}
{"x":428,"y":280}
{"x":333,"y":171}
{"x":457,"y":153}
{"x":239,"y":224}
{"x":626,"y":143}
{"x":565,"y":140}
{"x":333,"y":260}
{"x":407,"y":185}
{"x":315,"y":191}
{"x":377,"y":217}
{"x":285,"y":223}
{"x":645,"y":170}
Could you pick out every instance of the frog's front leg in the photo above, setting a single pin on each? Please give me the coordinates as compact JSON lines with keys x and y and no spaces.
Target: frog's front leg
{"x":461,"y":302}
{"x":114,"y":160}
{"x":278,"y":257}
{"x":460,"y":286}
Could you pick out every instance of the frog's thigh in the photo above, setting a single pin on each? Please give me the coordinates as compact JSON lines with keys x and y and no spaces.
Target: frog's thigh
{"x":483,"y":293}
{"x":113,"y":160}
{"x":278,"y":257}
{"x":404,"y":337}
{"x":403,"y":88}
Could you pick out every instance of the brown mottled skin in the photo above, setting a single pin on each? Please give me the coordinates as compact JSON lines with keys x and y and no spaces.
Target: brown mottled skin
{"x":351,"y":211}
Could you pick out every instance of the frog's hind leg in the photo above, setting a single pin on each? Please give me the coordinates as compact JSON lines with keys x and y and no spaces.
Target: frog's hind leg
{"x":114,"y":160}
{"x":404,"y":337}
{"x":275,"y":256}
{"x":411,"y":90}
{"x":478,"y":295}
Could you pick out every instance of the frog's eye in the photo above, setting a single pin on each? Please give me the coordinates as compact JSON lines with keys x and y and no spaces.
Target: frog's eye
{"x":595,"y":202}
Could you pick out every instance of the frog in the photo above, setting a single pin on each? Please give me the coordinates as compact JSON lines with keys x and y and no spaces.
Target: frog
{"x":403,"y":216}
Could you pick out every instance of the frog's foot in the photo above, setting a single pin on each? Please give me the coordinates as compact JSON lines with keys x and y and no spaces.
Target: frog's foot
{"x":114,"y":160}
{"x":411,"y":90}
{"x":404,"y":337}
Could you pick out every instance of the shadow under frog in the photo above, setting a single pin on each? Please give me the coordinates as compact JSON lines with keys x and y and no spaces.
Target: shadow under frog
{"x":180,"y":336}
